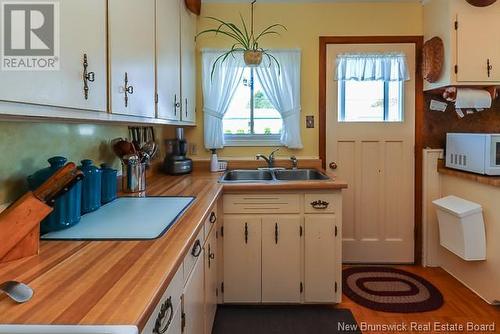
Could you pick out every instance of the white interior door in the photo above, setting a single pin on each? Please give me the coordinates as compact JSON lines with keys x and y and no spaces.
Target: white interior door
{"x":281,"y":259}
{"x":377,"y":161}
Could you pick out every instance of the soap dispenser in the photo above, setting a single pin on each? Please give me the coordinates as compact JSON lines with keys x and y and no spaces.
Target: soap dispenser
{"x":214,"y":161}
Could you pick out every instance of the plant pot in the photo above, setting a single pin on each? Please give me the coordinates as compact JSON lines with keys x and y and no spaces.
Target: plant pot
{"x":253,"y":58}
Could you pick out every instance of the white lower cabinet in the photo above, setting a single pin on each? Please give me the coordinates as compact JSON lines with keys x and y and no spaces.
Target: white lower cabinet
{"x":193,"y":301}
{"x":281,"y":249}
{"x":242,"y":259}
{"x":211,"y":284}
{"x":322,"y":258}
{"x":290,"y":256}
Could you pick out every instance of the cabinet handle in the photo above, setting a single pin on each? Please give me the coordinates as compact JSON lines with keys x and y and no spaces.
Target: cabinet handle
{"x":321,"y":205}
{"x":160,"y":326}
{"x":213,"y":218}
{"x":196,"y":251}
{"x":489,"y":67}
{"x":177,"y":104}
{"x":210,"y":256}
{"x":87,"y":77}
{"x":186,"y":100}
{"x":246,"y":233}
{"x":276,"y":232}
{"x":127,"y":89}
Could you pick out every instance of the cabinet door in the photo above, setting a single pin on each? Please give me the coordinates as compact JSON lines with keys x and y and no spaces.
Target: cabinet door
{"x":322,"y":259}
{"x":242,"y":259}
{"x":82,"y":32}
{"x":210,"y":280}
{"x":188,"y":65}
{"x":168,"y":58}
{"x":281,"y":259}
{"x":193,"y":306}
{"x":477,"y":47}
{"x":132,"y":55}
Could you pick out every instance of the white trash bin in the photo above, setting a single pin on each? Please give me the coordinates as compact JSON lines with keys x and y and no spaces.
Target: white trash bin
{"x":461,"y":227}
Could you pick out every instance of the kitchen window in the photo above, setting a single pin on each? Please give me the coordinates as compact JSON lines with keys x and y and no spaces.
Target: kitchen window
{"x":251,"y":119}
{"x":370,"y":101}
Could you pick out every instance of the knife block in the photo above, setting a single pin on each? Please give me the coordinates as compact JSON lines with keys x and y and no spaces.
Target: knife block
{"x":20,"y":228}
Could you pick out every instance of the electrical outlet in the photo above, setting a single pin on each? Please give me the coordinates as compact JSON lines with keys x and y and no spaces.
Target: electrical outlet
{"x":193,"y":149}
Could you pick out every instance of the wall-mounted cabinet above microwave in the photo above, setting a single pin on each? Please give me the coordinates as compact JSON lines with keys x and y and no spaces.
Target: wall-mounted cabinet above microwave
{"x":471,"y":42}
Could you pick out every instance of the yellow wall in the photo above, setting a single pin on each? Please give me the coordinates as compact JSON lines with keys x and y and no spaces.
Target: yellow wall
{"x":305,"y":23}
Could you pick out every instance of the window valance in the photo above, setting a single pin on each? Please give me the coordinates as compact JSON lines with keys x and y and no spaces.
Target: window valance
{"x":372,"y":67}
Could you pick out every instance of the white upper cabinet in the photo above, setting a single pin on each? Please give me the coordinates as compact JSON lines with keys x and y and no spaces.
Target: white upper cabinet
{"x":188,"y":65}
{"x":471,"y":44}
{"x":82,"y":32}
{"x":478,"y":56}
{"x":168,"y":59}
{"x":132,"y":57}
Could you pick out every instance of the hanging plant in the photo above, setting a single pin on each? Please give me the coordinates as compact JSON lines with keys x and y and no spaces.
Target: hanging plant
{"x":245,"y":41}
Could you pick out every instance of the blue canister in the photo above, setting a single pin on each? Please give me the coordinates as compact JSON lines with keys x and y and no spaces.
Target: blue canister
{"x":91,"y":186}
{"x":66,"y":211}
{"x":108,"y":183}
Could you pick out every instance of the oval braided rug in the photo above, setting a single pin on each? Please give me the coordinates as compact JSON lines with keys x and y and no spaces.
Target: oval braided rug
{"x":388,"y":289}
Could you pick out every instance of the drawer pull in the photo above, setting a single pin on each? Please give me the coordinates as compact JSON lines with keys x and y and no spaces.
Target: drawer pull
{"x":161,"y":326}
{"x":320,"y":205}
{"x":213,"y":218}
{"x":196,"y":251}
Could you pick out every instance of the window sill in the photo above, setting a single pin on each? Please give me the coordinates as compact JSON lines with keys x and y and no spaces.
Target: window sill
{"x":252,"y":140}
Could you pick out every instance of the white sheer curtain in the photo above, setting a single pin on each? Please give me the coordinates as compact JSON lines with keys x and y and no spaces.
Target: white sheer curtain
{"x":372,"y":67}
{"x":282,"y":87}
{"x":218,"y":90}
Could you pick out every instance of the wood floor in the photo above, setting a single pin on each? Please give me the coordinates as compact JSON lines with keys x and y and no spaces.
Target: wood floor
{"x":461,"y":306}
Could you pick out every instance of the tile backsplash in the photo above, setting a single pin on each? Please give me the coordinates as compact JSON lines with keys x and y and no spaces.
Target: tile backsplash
{"x":26,"y":146}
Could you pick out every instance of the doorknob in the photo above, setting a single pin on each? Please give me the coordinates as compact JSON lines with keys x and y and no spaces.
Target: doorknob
{"x":333,"y":165}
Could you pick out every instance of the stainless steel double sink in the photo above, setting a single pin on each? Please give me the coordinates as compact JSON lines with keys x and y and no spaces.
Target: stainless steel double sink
{"x":272,"y":175}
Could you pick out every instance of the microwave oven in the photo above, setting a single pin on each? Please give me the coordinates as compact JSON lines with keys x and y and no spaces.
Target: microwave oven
{"x":474,"y":152}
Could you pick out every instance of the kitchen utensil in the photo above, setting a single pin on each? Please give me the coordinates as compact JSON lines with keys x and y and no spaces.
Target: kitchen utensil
{"x":91,"y":187}
{"x":124,"y":147}
{"x":19,"y":222}
{"x":134,"y":175}
{"x":18,"y":292}
{"x":67,"y":208}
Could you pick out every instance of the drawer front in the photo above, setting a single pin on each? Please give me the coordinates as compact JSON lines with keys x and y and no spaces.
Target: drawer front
{"x":168,"y":307}
{"x":321,"y":203}
{"x":262,"y":203}
{"x":195,"y":251}
{"x":210,"y":221}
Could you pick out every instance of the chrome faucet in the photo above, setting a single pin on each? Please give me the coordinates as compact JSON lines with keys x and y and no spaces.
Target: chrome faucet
{"x":294,"y":161}
{"x":269,"y":159}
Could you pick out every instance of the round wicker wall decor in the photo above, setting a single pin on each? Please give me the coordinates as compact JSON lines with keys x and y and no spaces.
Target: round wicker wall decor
{"x":433,"y":58}
{"x":481,"y":3}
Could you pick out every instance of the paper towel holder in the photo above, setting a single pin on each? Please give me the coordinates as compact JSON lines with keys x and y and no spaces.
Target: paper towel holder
{"x":450,"y":93}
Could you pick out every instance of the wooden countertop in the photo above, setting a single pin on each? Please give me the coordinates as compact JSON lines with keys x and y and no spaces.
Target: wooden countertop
{"x":118,"y":282}
{"x":484,"y":179}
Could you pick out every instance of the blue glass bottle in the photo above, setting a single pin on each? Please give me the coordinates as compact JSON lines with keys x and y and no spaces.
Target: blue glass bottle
{"x":108,"y":183}
{"x":67,"y":207}
{"x":91,"y":186}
